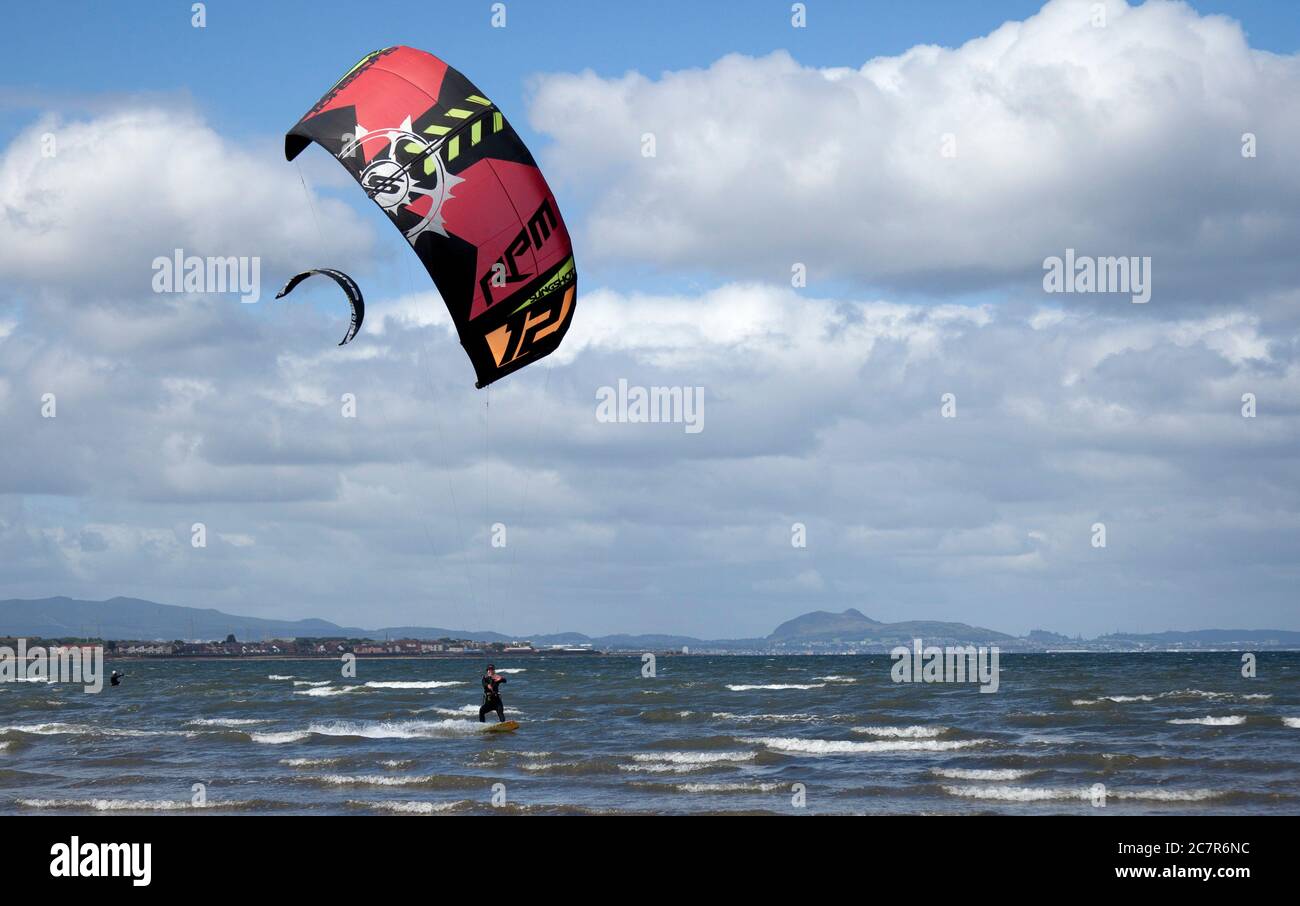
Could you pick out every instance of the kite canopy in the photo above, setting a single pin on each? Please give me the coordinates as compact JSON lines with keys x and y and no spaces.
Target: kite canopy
{"x":347,"y":284}
{"x":439,"y":158}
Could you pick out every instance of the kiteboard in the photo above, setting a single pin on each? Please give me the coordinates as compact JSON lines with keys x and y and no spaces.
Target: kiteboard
{"x":508,"y":726}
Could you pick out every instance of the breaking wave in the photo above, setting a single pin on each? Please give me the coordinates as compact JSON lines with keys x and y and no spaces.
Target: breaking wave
{"x":775,"y":686}
{"x":66,"y":729}
{"x":412,"y":684}
{"x":915,"y":732}
{"x":1175,"y":694}
{"x":327,"y":690}
{"x":980,"y":773}
{"x":842,"y":747}
{"x":308,"y":762}
{"x":275,"y":739}
{"x":414,"y":808}
{"x":129,"y":805}
{"x":739,"y":787}
{"x":1044,"y":794}
{"x":694,"y":757}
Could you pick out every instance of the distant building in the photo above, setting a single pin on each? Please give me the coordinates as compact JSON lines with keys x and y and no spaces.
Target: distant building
{"x":145,"y":649}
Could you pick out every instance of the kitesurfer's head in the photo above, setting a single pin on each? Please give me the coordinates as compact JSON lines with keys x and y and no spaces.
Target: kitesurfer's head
{"x":491,"y":668}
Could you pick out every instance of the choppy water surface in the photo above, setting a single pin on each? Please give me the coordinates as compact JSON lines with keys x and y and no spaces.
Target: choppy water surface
{"x":1165,"y":733}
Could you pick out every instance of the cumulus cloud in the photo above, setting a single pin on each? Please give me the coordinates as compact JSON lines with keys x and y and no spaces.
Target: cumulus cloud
{"x":88,"y":204}
{"x":818,"y":411}
{"x":1117,"y":140}
{"x":822,"y":406}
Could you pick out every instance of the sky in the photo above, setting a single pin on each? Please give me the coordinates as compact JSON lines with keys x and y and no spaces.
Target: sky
{"x":839,"y":243}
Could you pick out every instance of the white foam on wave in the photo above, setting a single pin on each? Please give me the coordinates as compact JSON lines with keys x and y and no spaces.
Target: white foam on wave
{"x":225,"y":722}
{"x":414,"y":808}
{"x":308,"y":762}
{"x":127,"y":805}
{"x":1233,"y":720}
{"x":683,"y":762}
{"x":771,"y":718}
{"x":694,"y":757}
{"x":1293,"y":722}
{"x":665,"y":768}
{"x":980,"y":773}
{"x":536,"y":766}
{"x":277,"y":739}
{"x":844,"y":747}
{"x":1044,"y":794}
{"x":835,"y":678}
{"x":1175,"y":693}
{"x":513,"y":670}
{"x":277,"y":676}
{"x":452,"y":712}
{"x":1119,"y":699}
{"x":368,"y":779}
{"x":303,"y":682}
{"x":1196,"y":693}
{"x":397,"y":729}
{"x":327,"y":690}
{"x":913,"y":732}
{"x":739,"y":787}
{"x":412,"y":684}
{"x":1159,"y":795}
{"x":776,"y":686}
{"x":65,"y":729}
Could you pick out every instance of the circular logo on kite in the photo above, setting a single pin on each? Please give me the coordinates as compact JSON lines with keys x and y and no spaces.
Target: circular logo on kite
{"x":405,"y":175}
{"x":389,"y":184}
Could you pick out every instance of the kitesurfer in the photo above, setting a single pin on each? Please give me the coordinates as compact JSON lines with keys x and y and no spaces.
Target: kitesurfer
{"x":115,"y":678}
{"x":492,"y":695}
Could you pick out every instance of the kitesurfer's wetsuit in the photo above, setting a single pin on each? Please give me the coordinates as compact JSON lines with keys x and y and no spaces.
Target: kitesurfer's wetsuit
{"x":492,"y":698}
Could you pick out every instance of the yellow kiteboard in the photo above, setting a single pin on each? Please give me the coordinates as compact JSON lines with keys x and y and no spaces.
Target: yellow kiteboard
{"x":508,"y":726}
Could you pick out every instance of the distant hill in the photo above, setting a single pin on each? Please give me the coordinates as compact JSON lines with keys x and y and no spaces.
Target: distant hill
{"x":821,"y":624}
{"x":854,"y":626}
{"x":132,"y":618}
{"x":819,"y":631}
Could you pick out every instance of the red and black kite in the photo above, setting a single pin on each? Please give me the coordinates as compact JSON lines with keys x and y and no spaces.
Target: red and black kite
{"x":440,"y":159}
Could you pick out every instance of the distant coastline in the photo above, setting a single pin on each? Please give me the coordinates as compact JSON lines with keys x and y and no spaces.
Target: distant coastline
{"x":176,"y":631}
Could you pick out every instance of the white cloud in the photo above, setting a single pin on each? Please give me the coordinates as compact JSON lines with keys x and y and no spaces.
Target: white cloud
{"x":822,"y":404}
{"x":131,"y":185}
{"x":1122,"y":140}
{"x":822,"y":411}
